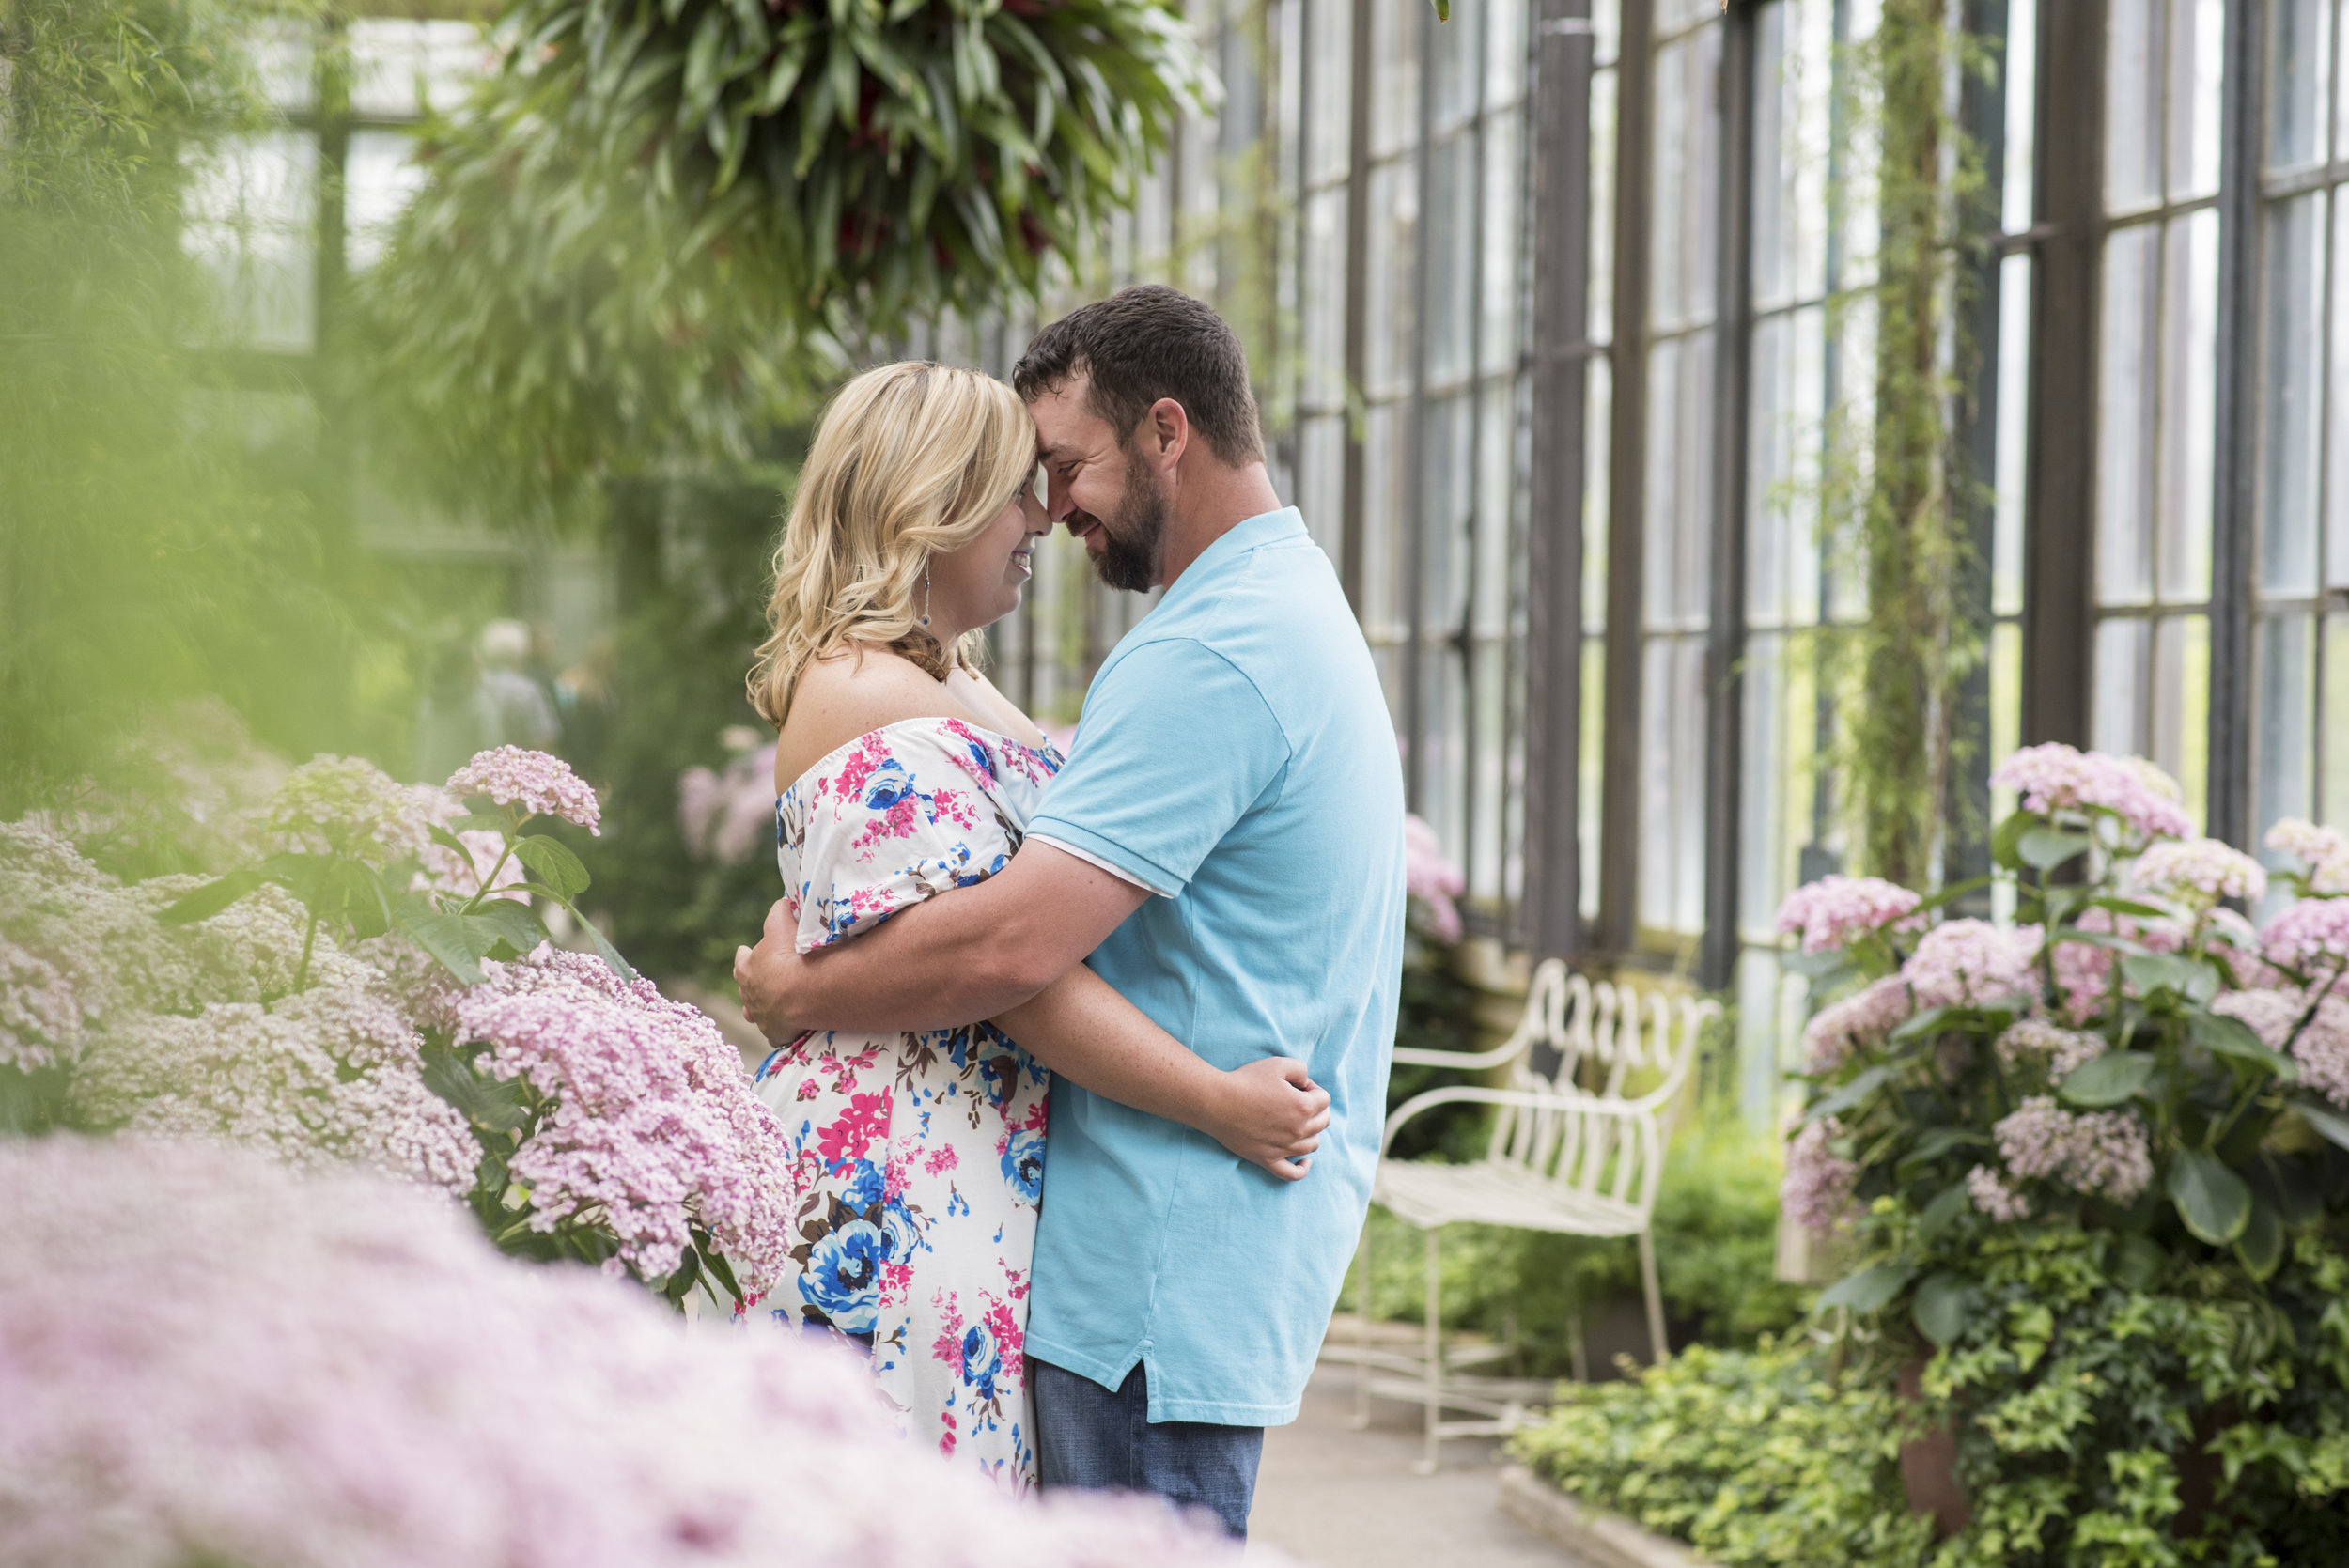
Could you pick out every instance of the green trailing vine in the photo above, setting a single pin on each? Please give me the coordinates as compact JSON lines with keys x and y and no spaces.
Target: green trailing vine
{"x":1898,"y":497}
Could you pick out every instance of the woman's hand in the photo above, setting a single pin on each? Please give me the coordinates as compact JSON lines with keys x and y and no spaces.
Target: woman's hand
{"x":1271,"y":1113}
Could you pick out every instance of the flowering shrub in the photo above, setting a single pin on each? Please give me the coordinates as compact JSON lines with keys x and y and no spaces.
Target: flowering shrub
{"x":578,"y":1112}
{"x":208,"y":1360}
{"x":727,"y":817}
{"x":2128,"y":1060}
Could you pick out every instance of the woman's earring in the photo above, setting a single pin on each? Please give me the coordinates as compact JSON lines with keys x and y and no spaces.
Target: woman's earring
{"x":925,"y":596}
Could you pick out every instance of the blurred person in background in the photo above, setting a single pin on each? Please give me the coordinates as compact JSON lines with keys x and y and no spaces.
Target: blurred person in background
{"x":510,"y":708}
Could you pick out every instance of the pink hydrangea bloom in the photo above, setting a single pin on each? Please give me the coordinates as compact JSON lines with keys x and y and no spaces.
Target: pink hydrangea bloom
{"x":40,"y":1018}
{"x":1431,"y":877}
{"x":345,"y":805}
{"x":2037,"y":1044}
{"x":2105,"y":1152}
{"x":2322,"y":852}
{"x":1816,"y":1192}
{"x":2200,"y":869}
{"x":209,"y":1359}
{"x":727,"y":817}
{"x":2083,"y":970}
{"x":544,"y":786}
{"x":2311,"y":934}
{"x":1971,"y":963}
{"x":1863,"y":1018}
{"x":1992,"y":1196}
{"x":655,"y":1123}
{"x":2272,"y":1013}
{"x":2323,"y":1051}
{"x":1830,"y":911}
{"x":2057,"y":777}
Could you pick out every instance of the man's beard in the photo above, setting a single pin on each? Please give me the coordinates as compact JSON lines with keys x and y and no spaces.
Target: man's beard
{"x":1133,"y":538}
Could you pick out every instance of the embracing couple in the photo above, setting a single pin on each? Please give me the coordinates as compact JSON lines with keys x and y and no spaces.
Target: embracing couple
{"x":1082,"y":1060}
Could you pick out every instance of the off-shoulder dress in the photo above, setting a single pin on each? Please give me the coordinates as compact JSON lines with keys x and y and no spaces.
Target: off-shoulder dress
{"x":920,"y":1156}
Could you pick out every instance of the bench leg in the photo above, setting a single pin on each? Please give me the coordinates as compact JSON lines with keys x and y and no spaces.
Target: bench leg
{"x":1655,"y":1299}
{"x":1434,"y":1350}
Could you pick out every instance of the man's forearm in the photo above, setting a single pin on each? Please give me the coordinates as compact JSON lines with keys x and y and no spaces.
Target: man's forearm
{"x":948,"y":961}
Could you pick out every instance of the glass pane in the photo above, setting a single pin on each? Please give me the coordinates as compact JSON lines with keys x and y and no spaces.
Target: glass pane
{"x":2334,"y":729}
{"x":1686,"y":90}
{"x":1761,"y":803}
{"x":2006,"y":556}
{"x":2291,"y":405}
{"x":1671,"y":770}
{"x":1450,"y":200}
{"x":252,"y":219}
{"x":1323,"y":309}
{"x":2282,"y":758}
{"x":284,"y":64}
{"x":2022,"y":88}
{"x":381,"y":176}
{"x":402,"y":69}
{"x":1603,"y":207}
{"x":1773,"y":268}
{"x":2198,"y":52}
{"x":2133,"y":108}
{"x":2189,"y":381}
{"x":1504,"y":202}
{"x":2117,"y":709}
{"x":1781,"y":507}
{"x":2125,"y":422}
{"x":1329,"y":128}
{"x":1395,"y":35}
{"x":1597,"y":442}
{"x":1448,"y":498}
{"x":1385,"y":572}
{"x":1504,"y":51}
{"x":2180,"y":704}
{"x":2337,"y":413}
{"x":1497,"y":445}
{"x":1590,"y":768}
{"x":1321,"y":480}
{"x":2299,"y":59}
{"x":1488,"y":772}
{"x":1606,"y":30}
{"x":1677,"y":569}
{"x":1457,"y":65}
{"x":1394,"y":219}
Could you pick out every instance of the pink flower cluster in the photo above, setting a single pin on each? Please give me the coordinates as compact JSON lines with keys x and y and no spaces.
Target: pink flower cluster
{"x":208,"y":1359}
{"x":544,"y":786}
{"x":2057,"y":777}
{"x":2103,"y":1153}
{"x":345,"y":805}
{"x":725,"y":816}
{"x":2322,"y":852}
{"x":2200,"y":870}
{"x":1864,"y":1018}
{"x":2037,"y":1045}
{"x":1962,"y":963}
{"x":2311,"y":935}
{"x":442,"y":869}
{"x":654,"y":1125}
{"x":2083,"y":970}
{"x":40,"y":1018}
{"x":2320,"y":1047}
{"x":1816,"y":1192}
{"x":1430,"y":877}
{"x":1830,"y":911}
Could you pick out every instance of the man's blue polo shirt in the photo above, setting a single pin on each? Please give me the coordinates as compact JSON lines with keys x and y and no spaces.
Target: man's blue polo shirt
{"x":1235,"y":755}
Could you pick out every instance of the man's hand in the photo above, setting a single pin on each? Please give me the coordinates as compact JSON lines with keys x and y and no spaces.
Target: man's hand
{"x":1271,"y":1113}
{"x":764,"y":974}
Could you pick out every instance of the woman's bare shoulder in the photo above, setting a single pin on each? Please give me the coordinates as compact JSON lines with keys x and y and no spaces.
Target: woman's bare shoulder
{"x":849,"y":694}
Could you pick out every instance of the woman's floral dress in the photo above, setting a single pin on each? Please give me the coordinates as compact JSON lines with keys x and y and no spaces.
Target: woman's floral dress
{"x":920,"y":1154}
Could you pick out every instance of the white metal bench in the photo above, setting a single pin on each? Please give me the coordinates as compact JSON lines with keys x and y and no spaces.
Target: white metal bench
{"x":1563,"y":1157}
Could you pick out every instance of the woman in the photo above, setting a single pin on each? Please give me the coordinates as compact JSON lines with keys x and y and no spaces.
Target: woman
{"x":901,"y":773}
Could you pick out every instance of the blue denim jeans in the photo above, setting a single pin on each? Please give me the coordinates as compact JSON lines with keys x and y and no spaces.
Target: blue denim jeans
{"x":1088,"y":1438}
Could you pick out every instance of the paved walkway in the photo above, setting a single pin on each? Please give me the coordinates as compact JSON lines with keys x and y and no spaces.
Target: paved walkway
{"x":1335,"y":1498}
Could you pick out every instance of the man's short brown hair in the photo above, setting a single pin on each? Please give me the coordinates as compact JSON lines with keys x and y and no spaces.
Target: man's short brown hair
{"x":1142,"y":344}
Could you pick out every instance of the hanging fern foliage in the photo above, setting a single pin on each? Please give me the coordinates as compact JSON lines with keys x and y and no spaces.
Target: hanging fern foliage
{"x":655,"y":223}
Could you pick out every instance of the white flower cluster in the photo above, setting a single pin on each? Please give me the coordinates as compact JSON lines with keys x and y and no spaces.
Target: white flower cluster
{"x":2037,"y":1044}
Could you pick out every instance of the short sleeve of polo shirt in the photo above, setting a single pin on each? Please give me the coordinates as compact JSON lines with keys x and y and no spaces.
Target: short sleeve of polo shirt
{"x":1176,"y":745}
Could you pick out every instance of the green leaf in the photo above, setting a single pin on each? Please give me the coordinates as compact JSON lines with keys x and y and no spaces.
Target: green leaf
{"x":2108,"y":1079}
{"x":209,"y":900}
{"x":2212,"y":1199}
{"x":604,"y":950}
{"x":1868,"y":1290}
{"x":552,"y":859}
{"x":1927,"y":1023}
{"x":1939,"y":1215}
{"x":2330,"y":1124}
{"x":2261,"y":1247}
{"x":507,"y":921}
{"x":498,"y":1104}
{"x":1941,"y":1305}
{"x":1936,"y":1142}
{"x":2232,"y":1037}
{"x":2006,"y":842}
{"x":446,"y":937}
{"x":1952,"y":893}
{"x":2140,"y":1262}
{"x":1848,"y":1095}
{"x":2129,"y":906}
{"x":2161,"y":971}
{"x":364,"y":903}
{"x":1818,"y":967}
{"x":2045,"y":848}
{"x":304,"y":876}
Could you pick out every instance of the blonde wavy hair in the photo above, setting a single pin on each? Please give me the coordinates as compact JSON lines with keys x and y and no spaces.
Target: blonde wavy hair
{"x":910,"y":462}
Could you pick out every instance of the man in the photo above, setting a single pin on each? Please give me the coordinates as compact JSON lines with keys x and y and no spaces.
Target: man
{"x":1225,"y":848}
